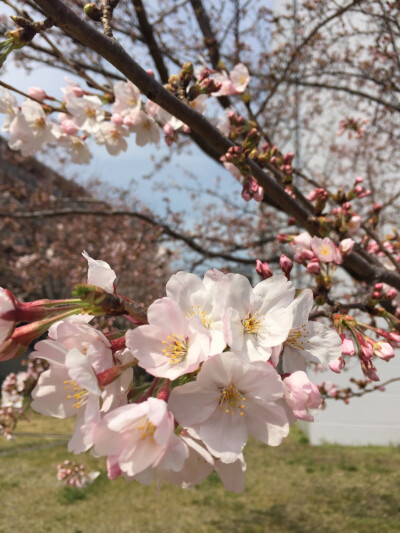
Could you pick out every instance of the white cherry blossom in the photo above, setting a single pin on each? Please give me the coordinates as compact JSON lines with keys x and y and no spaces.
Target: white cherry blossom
{"x":257,"y":318}
{"x":170,"y":345}
{"x":308,"y":340}
{"x":230,"y":400}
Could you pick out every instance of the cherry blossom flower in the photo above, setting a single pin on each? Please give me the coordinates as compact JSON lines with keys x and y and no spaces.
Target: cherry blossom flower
{"x":301,"y":394}
{"x":326,"y":250}
{"x":68,"y":388}
{"x":203,"y":299}
{"x":137,"y":437}
{"x":235,"y":83}
{"x":9,"y":106}
{"x":308,"y":340}
{"x":259,"y":318}
{"x":230,"y":400}
{"x":77,"y":352}
{"x":127,"y":98}
{"x":145,"y":127}
{"x":112,"y":135}
{"x":87,"y":112}
{"x":77,"y":148}
{"x":171,"y":345}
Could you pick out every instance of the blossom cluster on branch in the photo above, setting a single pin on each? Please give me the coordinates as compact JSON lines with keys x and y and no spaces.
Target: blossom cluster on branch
{"x":224,"y":361}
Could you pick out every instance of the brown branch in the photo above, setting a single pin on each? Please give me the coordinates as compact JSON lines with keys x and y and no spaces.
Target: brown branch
{"x":148,"y":37}
{"x":166,"y":229}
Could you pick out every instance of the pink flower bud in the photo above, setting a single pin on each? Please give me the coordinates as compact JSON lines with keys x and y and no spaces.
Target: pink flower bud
{"x":117,"y":118}
{"x":383,"y":350}
{"x":347,"y":346}
{"x":337,"y":365}
{"x":263,"y":269}
{"x":314,"y":267}
{"x":359,"y":179}
{"x":286,"y":265}
{"x":150,"y":72}
{"x":346,"y":246}
{"x":378,"y":286}
{"x":68,"y":127}
{"x":36,"y":92}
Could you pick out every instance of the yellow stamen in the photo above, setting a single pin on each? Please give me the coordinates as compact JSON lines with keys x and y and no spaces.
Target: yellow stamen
{"x":231,"y":400}
{"x":252,"y":323}
{"x":176,"y":349}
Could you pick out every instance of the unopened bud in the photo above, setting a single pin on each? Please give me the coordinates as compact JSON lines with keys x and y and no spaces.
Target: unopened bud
{"x":263,"y":269}
{"x":286,"y":265}
{"x":93,"y":12}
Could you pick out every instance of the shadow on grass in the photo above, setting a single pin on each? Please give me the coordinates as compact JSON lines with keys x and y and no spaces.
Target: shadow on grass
{"x":70,"y":495}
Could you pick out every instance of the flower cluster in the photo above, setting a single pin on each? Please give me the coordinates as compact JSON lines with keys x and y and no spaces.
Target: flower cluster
{"x":109,"y":119}
{"x":74,"y":475}
{"x":224,"y":361}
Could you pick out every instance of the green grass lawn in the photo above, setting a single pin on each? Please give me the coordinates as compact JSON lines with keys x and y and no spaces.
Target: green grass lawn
{"x":292,"y":488}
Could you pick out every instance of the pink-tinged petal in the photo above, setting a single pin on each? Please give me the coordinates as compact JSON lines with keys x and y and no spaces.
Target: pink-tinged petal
{"x":275,"y":327}
{"x":166,"y":314}
{"x":123,"y":418}
{"x":292,"y":359}
{"x":176,"y":455}
{"x":233,"y":475}
{"x":183,"y":399}
{"x":255,"y":377}
{"x":270,"y":425}
{"x":275,"y":291}
{"x":135,"y":459}
{"x":52,"y":351}
{"x":240,"y":295}
{"x":82,"y":371}
{"x":233,"y":329}
{"x":100,"y":273}
{"x":322,"y":344}
{"x":301,"y":307}
{"x":50,"y":396}
{"x":224,"y":434}
{"x":181,"y":286}
{"x":86,"y":420}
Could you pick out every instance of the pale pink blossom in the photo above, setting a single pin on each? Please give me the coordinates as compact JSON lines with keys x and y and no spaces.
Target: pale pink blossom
{"x":257,"y":319}
{"x":72,"y":89}
{"x":234,"y":83}
{"x":137,"y":436}
{"x":347,"y":346}
{"x":326,"y":250}
{"x":301,"y":394}
{"x":77,"y":149}
{"x":203,"y":299}
{"x":146,"y":129}
{"x":9,"y":106}
{"x":127,"y":98}
{"x":301,"y":242}
{"x":113,"y":136}
{"x":308,"y":340}
{"x":171,"y":345}
{"x":87,"y":112}
{"x":234,"y":171}
{"x":230,"y":400}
